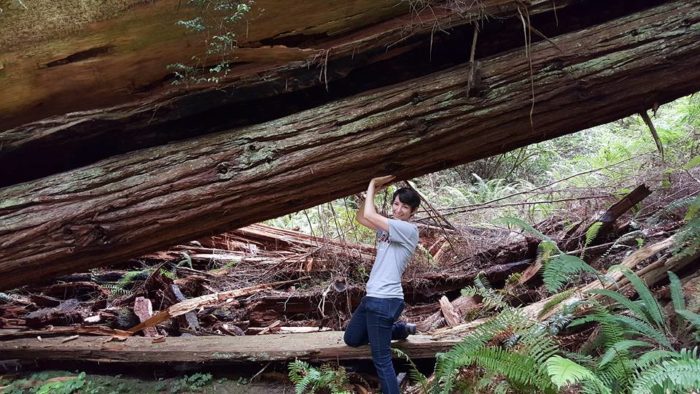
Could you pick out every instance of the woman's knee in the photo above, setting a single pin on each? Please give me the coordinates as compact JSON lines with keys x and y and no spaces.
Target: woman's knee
{"x":352,"y":340}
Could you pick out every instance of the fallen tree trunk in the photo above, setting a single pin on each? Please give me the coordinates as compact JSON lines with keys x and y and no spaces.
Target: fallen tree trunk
{"x":132,"y":204}
{"x":317,"y":346}
{"x":287,"y":61}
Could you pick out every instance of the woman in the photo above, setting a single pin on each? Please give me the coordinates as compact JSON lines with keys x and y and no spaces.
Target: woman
{"x":374,"y":320}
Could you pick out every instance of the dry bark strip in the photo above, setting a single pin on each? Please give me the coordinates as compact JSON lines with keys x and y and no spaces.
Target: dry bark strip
{"x":317,"y":346}
{"x":144,"y":310}
{"x":463,"y":306}
{"x":132,"y":204}
{"x":448,"y":311}
{"x":186,"y":306}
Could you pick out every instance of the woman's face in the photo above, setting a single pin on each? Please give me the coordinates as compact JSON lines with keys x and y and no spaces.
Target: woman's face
{"x":400,"y":210}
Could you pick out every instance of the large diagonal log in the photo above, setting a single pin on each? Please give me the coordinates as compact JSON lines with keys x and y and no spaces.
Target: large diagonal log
{"x":131,"y":204}
{"x":335,"y":49}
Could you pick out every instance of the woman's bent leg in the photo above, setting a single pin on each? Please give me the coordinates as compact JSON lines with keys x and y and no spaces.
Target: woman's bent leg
{"x":356,"y":331}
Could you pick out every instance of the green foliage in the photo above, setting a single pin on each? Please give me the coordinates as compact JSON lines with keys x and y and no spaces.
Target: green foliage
{"x":565,"y":372}
{"x":217,"y":21}
{"x":556,"y":300}
{"x":635,"y":349}
{"x":561,"y":269}
{"x":42,"y":383}
{"x":627,"y":325}
{"x":557,"y":270}
{"x":510,"y":346}
{"x":308,"y":379}
{"x":688,"y":238}
{"x":192,"y":383}
{"x":414,"y":373}
{"x":591,"y":235}
{"x":491,"y":299}
{"x":679,"y":374}
{"x":130,"y":276}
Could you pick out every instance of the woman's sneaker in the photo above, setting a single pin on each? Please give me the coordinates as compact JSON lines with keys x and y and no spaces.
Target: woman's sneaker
{"x":411,"y":328}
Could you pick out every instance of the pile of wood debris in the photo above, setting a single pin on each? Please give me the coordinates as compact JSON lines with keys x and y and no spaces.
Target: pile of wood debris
{"x":215,"y":299}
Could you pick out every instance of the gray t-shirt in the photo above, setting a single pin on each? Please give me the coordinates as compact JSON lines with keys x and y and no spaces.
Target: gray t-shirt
{"x":394,"y":250}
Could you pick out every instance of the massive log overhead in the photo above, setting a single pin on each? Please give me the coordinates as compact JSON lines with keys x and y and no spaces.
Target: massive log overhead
{"x":105,"y":52}
{"x":131,"y":204}
{"x":258,"y":90}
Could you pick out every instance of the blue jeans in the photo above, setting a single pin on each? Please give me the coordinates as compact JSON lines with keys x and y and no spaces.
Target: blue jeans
{"x":374,"y":322}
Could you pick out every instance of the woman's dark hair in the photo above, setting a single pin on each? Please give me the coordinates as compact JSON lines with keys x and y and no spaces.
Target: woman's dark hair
{"x":407,"y":196}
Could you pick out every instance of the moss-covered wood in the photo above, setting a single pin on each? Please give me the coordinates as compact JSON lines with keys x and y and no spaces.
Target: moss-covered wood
{"x":131,"y":204}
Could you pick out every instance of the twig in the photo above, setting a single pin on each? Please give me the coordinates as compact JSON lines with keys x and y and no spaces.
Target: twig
{"x":654,"y":134}
{"x":529,"y":203}
{"x":546,"y":185}
{"x":472,"y":63}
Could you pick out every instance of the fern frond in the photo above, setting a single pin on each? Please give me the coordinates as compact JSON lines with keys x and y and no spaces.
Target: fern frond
{"x":673,"y":206}
{"x":642,"y":328}
{"x":625,"y":302}
{"x":619,"y":241}
{"x":414,"y":373}
{"x":564,"y":372}
{"x":654,"y":357}
{"x":691,"y":317}
{"x":617,"y":375}
{"x":676,"y":291}
{"x":591,"y":235}
{"x":676,"y":375}
{"x":652,"y":307}
{"x":517,"y":368}
{"x":620,"y":349}
{"x":559,"y":271}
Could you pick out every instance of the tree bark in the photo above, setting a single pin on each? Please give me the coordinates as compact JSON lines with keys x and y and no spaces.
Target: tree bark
{"x":132,"y":204}
{"x":335,"y":55}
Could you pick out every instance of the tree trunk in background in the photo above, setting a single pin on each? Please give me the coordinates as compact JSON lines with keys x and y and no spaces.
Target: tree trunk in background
{"x":128,"y":205}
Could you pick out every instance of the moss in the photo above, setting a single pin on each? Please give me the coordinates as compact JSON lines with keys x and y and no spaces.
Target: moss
{"x":43,"y":19}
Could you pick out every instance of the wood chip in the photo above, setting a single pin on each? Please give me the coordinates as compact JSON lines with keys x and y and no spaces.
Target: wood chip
{"x":70,"y":338}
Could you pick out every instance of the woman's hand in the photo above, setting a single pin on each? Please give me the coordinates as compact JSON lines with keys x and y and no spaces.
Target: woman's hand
{"x":382,"y":181}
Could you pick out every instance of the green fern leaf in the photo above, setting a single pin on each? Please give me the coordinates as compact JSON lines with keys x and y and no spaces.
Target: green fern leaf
{"x":677,"y":375}
{"x":645,"y":329}
{"x":556,"y":300}
{"x":560,"y":270}
{"x":691,"y":317}
{"x":676,"y":291}
{"x":625,"y":302}
{"x":564,"y":372}
{"x":654,"y":357}
{"x":620,"y":349}
{"x":651,"y":306}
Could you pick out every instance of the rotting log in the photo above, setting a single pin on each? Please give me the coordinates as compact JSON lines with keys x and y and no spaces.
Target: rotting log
{"x":609,"y":217}
{"x":333,"y":58}
{"x":129,"y":205}
{"x":317,"y":346}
